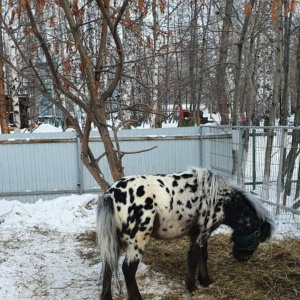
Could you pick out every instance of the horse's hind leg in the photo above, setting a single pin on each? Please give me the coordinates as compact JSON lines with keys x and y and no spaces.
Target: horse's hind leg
{"x":129,"y":270}
{"x":133,"y":257}
{"x":106,"y":286}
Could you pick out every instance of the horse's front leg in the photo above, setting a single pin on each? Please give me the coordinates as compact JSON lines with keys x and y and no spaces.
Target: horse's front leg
{"x":193,"y":259}
{"x":203,"y":276}
{"x":129,"y":269}
{"x":106,"y":285}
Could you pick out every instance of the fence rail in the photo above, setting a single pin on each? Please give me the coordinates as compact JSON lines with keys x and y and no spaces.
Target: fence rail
{"x":46,"y":165}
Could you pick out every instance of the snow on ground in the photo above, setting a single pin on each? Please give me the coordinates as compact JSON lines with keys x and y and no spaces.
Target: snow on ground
{"x":43,"y":254}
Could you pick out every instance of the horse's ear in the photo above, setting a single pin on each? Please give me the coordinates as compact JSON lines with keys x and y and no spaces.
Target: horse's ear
{"x":265,"y":231}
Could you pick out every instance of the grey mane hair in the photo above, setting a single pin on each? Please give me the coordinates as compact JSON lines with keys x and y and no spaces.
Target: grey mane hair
{"x":216,"y":182}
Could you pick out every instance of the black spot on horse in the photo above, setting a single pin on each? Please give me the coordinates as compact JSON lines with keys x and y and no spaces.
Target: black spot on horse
{"x":193,"y":187}
{"x":136,"y":212}
{"x":180,"y":217}
{"x":218,"y":207}
{"x":167,"y":190}
{"x":147,"y":221}
{"x":131,"y":195}
{"x":186,"y":176}
{"x":179,"y":202}
{"x":161,"y":182}
{"x":188,"y":204}
{"x":122,"y":184}
{"x":140,"y":191}
{"x":148,"y":203}
{"x":200,"y":205}
{"x":194,"y":200}
{"x":175,"y":183}
{"x":206,"y":221}
{"x":120,"y":196}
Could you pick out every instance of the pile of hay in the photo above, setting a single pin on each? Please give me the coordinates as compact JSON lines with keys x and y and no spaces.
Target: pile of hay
{"x":272,"y":273}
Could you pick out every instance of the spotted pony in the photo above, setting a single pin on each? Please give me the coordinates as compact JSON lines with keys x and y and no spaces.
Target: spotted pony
{"x":192,"y":203}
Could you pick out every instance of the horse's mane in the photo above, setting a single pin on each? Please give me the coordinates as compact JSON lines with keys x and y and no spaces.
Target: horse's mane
{"x":210,"y":179}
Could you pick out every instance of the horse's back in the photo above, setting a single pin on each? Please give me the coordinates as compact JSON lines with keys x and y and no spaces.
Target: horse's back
{"x":163,"y":206}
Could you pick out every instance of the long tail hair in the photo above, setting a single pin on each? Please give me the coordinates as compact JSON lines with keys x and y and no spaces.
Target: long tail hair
{"x":107,"y":233}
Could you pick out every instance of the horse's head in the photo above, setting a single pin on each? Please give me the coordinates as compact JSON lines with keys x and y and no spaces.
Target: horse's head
{"x":245,"y":244}
{"x":250,"y":221}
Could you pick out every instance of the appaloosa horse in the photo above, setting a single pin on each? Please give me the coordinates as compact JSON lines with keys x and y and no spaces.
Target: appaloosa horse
{"x":192,"y":203}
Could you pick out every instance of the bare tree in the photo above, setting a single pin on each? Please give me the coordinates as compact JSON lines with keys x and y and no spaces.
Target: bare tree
{"x":277,"y":82}
{"x":67,"y":54}
{"x":221,"y":67}
{"x":237,"y":79}
{"x":3,"y":121}
{"x":294,"y":151}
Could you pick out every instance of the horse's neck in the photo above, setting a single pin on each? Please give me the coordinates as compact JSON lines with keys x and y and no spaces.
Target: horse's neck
{"x":239,"y":216}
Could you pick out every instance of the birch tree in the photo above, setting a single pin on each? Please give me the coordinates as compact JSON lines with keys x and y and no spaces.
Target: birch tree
{"x":221,"y":66}
{"x":3,"y":121}
{"x":294,"y":150}
{"x":277,"y":17}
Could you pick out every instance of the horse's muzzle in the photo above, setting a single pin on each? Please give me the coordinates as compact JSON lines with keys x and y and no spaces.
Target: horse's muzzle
{"x":242,"y":256}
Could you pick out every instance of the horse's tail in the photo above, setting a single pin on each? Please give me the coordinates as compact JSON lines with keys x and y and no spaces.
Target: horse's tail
{"x":107,"y":233}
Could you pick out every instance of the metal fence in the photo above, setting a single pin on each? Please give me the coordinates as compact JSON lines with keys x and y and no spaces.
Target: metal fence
{"x":239,"y":153}
{"x":46,"y":165}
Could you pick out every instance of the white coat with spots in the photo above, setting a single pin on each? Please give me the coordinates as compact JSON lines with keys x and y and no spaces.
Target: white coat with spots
{"x":192,"y":203}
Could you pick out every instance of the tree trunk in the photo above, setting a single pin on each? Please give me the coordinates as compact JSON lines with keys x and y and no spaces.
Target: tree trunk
{"x":3,"y":121}
{"x":156,"y":101}
{"x":14,"y":84}
{"x":293,"y":154}
{"x":221,"y":67}
{"x":274,"y":104}
{"x":192,"y":56}
{"x":286,"y":64}
{"x":237,"y":75}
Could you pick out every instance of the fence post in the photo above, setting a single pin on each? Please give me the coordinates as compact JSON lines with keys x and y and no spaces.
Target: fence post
{"x":80,"y":183}
{"x":280,"y":170}
{"x":240,"y":156}
{"x":254,"y":159}
{"x":201,"y":146}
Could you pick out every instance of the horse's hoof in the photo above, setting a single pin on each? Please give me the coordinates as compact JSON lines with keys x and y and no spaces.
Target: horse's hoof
{"x":191,"y":287}
{"x":206,"y":282}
